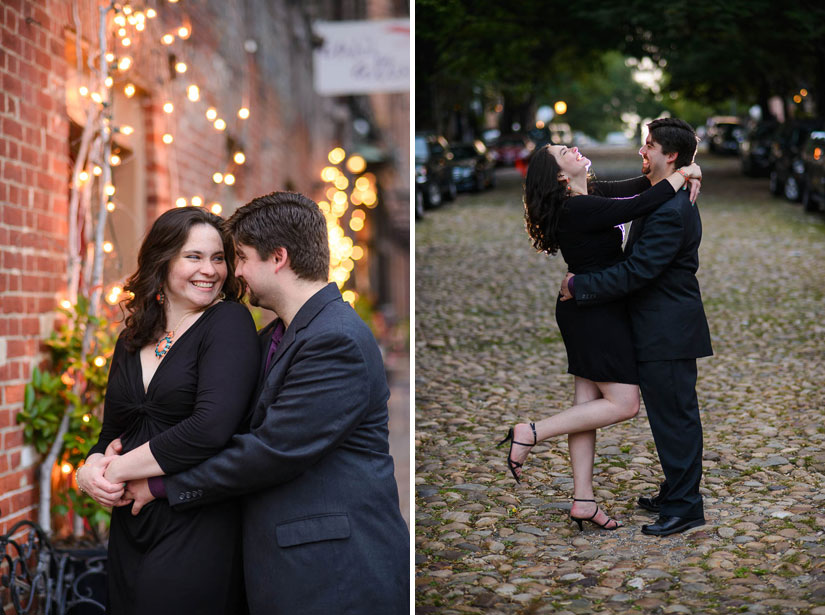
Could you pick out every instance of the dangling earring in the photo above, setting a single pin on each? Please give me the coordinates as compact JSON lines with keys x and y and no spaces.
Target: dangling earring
{"x":160,"y":297}
{"x":222,"y":296}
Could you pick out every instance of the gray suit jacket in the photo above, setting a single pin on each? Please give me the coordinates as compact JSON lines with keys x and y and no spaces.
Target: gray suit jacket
{"x":322,"y":528}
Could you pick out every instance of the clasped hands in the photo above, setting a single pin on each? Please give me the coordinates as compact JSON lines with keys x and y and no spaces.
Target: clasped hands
{"x":98,"y":478}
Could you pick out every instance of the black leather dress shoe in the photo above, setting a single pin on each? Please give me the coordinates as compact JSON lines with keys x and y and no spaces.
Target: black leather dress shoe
{"x":666,"y":525}
{"x":651,"y":504}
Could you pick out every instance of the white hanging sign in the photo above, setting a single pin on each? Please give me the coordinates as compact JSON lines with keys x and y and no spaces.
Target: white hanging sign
{"x":362,"y":57}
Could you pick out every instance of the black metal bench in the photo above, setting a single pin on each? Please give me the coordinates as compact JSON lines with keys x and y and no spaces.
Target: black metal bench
{"x":38,"y":579}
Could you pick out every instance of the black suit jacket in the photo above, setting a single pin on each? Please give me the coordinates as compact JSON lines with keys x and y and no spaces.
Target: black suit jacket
{"x":659,"y":275}
{"x":322,"y":528}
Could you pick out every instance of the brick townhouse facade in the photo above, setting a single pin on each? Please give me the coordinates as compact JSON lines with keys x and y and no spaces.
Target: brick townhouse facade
{"x":255,"y":54}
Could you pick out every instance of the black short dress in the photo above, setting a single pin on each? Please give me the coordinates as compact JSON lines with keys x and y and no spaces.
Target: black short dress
{"x":598,"y":337}
{"x":162,"y":561}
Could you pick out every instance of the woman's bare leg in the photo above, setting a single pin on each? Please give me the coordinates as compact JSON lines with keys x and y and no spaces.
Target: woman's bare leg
{"x":603,"y":403}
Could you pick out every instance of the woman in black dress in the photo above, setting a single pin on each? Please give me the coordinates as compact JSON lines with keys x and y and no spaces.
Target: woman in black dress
{"x":182,"y":376}
{"x":565,"y":211}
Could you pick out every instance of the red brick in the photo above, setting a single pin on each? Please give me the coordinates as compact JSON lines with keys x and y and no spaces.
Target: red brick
{"x":4,"y":460}
{"x":13,"y":150}
{"x":13,"y":394}
{"x":28,"y":326}
{"x":12,"y":172}
{"x":12,"y":439}
{"x":7,"y":420}
{"x":14,"y":459}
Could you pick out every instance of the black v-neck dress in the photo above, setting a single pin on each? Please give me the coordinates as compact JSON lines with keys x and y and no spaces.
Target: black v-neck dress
{"x":598,"y":337}
{"x":163,"y":561}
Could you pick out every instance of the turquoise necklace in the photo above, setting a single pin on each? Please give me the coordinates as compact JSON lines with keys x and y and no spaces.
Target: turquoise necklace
{"x":166,"y":340}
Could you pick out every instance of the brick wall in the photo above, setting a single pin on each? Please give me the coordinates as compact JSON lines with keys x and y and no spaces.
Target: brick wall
{"x":286,"y":140}
{"x":33,"y":224}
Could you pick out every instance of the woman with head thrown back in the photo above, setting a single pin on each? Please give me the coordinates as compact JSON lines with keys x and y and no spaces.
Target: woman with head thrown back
{"x":566,"y":211}
{"x":183,"y":373}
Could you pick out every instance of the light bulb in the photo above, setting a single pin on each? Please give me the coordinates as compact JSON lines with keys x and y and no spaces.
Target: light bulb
{"x":356,"y":224}
{"x":220,"y":124}
{"x":217,"y":177}
{"x":110,"y":190}
{"x":83,"y":176}
{"x":65,"y":304}
{"x":126,"y":41}
{"x":96,"y":171}
{"x":168,"y":107}
{"x":120,"y":20}
{"x":336,"y":155}
{"x":110,"y":57}
{"x":151,"y":13}
{"x":197,"y":201}
{"x":211,"y":114}
{"x":100,"y":361}
{"x":229,"y":179}
{"x":217,"y":209}
{"x":356,"y":164}
{"x":124,"y":63}
{"x":108,"y":247}
{"x":183,"y":32}
{"x":167,"y":138}
{"x":114,"y":160}
{"x":140,"y":26}
{"x":243,"y":113}
{"x":97,"y":97}
{"x":193,"y":93}
{"x":239,"y":157}
{"x":129,"y":90}
{"x":180,"y":67}
{"x":127,"y":130}
{"x":66,"y":468}
{"x":108,"y":82}
{"x":110,"y":207}
{"x":180,"y":202}
{"x":167,"y":39}
{"x":83,"y":90}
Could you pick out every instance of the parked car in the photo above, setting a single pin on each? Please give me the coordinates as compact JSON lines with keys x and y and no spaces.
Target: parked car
{"x":555,"y":133}
{"x":813,"y":159}
{"x":434,"y":169}
{"x":419,"y":202}
{"x":473,"y":166}
{"x":787,"y":167}
{"x":507,"y":150}
{"x":724,"y":134}
{"x":755,"y":149}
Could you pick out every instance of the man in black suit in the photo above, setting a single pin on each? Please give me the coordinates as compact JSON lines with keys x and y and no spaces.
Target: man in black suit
{"x":670,"y":330}
{"x":322,"y":528}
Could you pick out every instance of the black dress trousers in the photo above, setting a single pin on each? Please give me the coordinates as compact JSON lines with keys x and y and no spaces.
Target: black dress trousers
{"x":669,"y":391}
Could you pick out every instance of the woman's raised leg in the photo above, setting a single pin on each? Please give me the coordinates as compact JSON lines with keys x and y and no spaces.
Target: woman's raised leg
{"x":616,"y":402}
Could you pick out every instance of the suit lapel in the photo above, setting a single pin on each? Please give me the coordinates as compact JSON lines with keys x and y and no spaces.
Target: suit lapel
{"x":635,"y":230}
{"x":305,"y":315}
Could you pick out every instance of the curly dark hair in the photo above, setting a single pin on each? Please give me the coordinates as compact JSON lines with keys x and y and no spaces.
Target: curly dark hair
{"x":146,"y":319}
{"x":675,"y":135}
{"x":544,"y":199}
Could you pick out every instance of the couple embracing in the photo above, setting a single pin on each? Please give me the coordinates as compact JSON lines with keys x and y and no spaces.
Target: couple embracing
{"x":629,"y":319}
{"x":248,"y":473}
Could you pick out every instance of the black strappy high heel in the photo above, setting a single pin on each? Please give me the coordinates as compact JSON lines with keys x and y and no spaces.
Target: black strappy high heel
{"x":592,"y":518}
{"x":514,"y":465}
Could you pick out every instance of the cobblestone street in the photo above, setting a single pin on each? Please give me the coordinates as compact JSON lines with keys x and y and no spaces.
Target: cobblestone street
{"x":488,"y":354}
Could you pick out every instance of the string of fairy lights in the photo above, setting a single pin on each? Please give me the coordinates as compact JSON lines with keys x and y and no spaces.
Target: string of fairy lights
{"x":350,"y":190}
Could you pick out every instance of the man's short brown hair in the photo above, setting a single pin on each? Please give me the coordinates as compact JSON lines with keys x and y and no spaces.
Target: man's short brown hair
{"x":285,"y":220}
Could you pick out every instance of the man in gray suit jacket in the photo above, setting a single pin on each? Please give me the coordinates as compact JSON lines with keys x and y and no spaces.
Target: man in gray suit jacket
{"x":322,"y":528}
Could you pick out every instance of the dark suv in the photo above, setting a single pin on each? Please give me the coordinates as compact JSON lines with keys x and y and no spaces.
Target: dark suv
{"x":755,"y":149}
{"x":434,"y":169}
{"x":787,"y":167}
{"x":813,"y":159}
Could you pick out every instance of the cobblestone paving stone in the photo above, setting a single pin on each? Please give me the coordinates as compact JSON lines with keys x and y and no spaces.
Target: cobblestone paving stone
{"x":488,"y":354}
